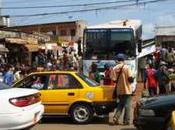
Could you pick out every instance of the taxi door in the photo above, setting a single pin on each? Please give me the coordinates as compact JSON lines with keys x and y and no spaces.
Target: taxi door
{"x":62,"y":90}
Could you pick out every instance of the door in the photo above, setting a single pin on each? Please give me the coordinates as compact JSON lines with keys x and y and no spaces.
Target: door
{"x":62,"y":90}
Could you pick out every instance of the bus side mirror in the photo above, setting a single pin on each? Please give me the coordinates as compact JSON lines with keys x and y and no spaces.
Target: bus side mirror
{"x":140,"y":46}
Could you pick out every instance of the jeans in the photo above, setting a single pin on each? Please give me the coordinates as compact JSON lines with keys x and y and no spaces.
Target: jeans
{"x":152,"y":91}
{"x":124,"y":103}
{"x":162,"y":89}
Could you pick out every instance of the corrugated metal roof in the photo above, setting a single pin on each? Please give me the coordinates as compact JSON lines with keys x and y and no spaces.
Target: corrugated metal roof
{"x":165,"y":31}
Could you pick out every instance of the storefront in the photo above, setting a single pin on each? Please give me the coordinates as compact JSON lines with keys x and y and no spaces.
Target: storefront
{"x":3,"y":54}
{"x":20,"y":51}
{"x":52,"y":50}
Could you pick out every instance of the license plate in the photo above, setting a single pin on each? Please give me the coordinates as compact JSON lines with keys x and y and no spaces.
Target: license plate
{"x":35,"y":117}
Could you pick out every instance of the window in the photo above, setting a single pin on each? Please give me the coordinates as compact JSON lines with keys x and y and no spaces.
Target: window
{"x":63,"y":81}
{"x":104,"y":44}
{"x":90,"y":82}
{"x":34,"y":81}
{"x":39,"y":82}
{"x":50,"y":81}
{"x":63,"y":33}
{"x":72,"y":32}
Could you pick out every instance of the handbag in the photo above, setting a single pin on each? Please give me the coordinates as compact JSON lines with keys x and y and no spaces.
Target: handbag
{"x":114,"y":95}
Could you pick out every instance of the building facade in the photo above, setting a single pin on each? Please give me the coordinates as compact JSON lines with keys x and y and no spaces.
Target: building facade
{"x":59,"y":32}
{"x":20,"y":47}
{"x":165,"y":36}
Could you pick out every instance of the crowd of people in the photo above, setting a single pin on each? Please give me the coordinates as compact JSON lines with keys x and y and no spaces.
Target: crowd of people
{"x":68,"y":60}
{"x":156,"y":70}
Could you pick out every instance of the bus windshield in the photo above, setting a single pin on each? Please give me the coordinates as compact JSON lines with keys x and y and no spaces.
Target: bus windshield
{"x":106,"y":43}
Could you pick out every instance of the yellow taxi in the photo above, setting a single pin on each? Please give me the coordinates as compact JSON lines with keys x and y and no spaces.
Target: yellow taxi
{"x":70,"y":93}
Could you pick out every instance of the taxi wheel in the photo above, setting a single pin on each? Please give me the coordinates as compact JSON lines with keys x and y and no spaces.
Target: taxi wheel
{"x":81,"y":113}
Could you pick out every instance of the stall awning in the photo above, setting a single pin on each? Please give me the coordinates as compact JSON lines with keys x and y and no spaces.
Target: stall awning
{"x":15,"y":41}
{"x":31,"y":47}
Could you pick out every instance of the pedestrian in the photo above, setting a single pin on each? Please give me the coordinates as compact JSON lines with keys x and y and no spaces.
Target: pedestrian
{"x":94,"y":74}
{"x":157,"y":57}
{"x":107,"y":79}
{"x":142,"y":66}
{"x":163,"y":52}
{"x":120,"y":74}
{"x":41,"y":58}
{"x":65,"y":60}
{"x":170,"y":57}
{"x":150,"y":81}
{"x":17,"y":75}
{"x":162,"y":78}
{"x":9,"y":76}
{"x":49,"y":65}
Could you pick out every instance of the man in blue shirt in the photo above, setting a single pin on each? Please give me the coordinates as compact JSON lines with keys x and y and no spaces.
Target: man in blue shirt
{"x":9,"y":77}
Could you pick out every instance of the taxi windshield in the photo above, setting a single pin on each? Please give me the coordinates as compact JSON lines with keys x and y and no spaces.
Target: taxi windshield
{"x":89,"y":81}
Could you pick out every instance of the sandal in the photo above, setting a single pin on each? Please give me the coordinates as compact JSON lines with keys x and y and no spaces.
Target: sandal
{"x":115,"y":121}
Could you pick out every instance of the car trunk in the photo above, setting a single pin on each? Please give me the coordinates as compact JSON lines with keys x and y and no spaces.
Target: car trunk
{"x":107,"y":93}
{"x":13,"y":93}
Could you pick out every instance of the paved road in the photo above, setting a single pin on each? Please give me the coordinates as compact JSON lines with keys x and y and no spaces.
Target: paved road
{"x":62,"y":123}
{"x":66,"y":124}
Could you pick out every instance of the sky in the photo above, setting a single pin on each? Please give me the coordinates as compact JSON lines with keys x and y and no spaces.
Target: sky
{"x":161,"y":13}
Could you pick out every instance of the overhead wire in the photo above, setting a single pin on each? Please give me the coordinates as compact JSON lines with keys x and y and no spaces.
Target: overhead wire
{"x":32,"y":1}
{"x":91,"y":9}
{"x":69,"y":5}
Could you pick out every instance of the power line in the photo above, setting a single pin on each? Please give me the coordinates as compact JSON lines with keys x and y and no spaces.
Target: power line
{"x":31,"y":1}
{"x":70,"y":5}
{"x":88,"y":10}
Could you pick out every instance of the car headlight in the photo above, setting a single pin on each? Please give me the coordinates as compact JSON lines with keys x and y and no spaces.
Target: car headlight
{"x":146,"y":112}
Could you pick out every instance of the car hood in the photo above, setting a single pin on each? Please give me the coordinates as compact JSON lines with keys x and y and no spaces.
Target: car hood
{"x":158,"y":101}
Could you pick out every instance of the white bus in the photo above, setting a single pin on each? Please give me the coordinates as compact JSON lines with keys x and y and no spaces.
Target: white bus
{"x":101,"y":44}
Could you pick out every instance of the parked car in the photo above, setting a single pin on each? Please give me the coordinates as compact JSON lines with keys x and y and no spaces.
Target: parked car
{"x":20,"y":107}
{"x":154,"y":113}
{"x":70,"y":93}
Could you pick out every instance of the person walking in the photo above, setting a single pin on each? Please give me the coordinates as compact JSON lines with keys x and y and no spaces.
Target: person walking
{"x":9,"y":76}
{"x":120,"y":74}
{"x":162,"y":78}
{"x":142,"y":66}
{"x":150,"y":81}
{"x":170,"y":57}
{"x":17,"y":75}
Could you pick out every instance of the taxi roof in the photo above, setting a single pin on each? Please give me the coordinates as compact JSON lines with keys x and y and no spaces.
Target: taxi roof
{"x":53,"y":72}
